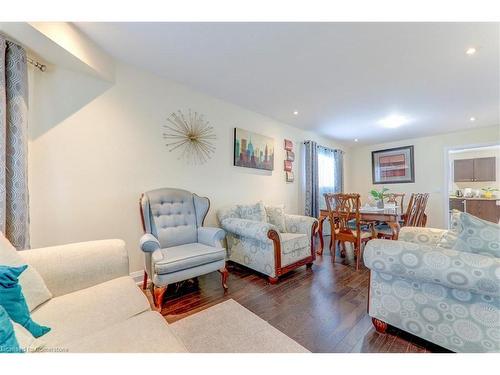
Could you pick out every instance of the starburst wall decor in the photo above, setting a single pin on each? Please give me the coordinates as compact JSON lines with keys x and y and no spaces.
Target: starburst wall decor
{"x":192,"y":134}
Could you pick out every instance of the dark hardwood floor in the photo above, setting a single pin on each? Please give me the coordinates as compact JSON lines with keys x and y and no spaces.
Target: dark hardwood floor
{"x":323,"y":308}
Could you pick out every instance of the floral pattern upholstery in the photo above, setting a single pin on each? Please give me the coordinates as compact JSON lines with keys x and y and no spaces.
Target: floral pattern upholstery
{"x":249,"y":245}
{"x":446,"y":296}
{"x":256,"y":212}
{"x":276,"y":216}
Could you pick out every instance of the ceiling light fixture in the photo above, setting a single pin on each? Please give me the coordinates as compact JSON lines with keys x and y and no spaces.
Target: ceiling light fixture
{"x":470,"y":51}
{"x":295,"y":113}
{"x":355,"y":139}
{"x":393,"y":121}
{"x":472,"y":119}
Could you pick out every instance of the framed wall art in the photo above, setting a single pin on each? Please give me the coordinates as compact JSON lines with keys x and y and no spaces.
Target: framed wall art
{"x":252,"y":150}
{"x":393,"y":166}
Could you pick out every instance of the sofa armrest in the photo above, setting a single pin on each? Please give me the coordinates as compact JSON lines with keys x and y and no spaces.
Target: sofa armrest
{"x":423,"y":236}
{"x":149,"y":243}
{"x":211,"y":236}
{"x":248,"y":228}
{"x":433,"y":265}
{"x":300,"y":224}
{"x":76,"y":266}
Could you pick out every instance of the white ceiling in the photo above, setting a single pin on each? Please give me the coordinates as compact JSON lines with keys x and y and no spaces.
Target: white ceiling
{"x":341,"y":77}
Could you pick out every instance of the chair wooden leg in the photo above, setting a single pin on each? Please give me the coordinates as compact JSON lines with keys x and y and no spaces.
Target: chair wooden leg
{"x":273,"y":280}
{"x":358,"y":252}
{"x":224,"y":275}
{"x":309,"y":265}
{"x":145,"y":281}
{"x":158,"y":294}
{"x":342,"y":249}
{"x":380,"y":326}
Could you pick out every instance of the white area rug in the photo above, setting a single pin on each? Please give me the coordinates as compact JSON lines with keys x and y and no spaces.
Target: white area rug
{"x":230,"y":328}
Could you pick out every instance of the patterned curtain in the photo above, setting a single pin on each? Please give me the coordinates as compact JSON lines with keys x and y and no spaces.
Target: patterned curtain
{"x":14,"y":214}
{"x":312,"y":182}
{"x":338,"y":156}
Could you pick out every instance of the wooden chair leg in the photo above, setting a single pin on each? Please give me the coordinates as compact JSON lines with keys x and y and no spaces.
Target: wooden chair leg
{"x":380,"y":326}
{"x":342,"y":249}
{"x":357,"y":251}
{"x":158,"y":294}
{"x":273,"y":280}
{"x":145,"y":281}
{"x":224,"y":275}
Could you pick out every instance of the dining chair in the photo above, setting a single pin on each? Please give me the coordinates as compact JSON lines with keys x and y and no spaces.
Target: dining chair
{"x":415,"y":214}
{"x":343,"y":208}
{"x":396,"y":198}
{"x":413,"y":217}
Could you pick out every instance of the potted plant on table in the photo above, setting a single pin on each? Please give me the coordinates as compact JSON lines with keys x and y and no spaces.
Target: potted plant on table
{"x":379,"y":196}
{"x":488,"y":192}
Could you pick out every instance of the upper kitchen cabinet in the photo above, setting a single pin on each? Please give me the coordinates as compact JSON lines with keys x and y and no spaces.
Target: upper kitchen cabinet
{"x":485,"y":169}
{"x":477,"y":170}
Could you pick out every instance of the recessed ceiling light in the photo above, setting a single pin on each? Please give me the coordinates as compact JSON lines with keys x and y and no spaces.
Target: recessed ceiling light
{"x":472,"y":119}
{"x":355,"y":139}
{"x":295,"y":113}
{"x":470,"y":51}
{"x":393,"y":121}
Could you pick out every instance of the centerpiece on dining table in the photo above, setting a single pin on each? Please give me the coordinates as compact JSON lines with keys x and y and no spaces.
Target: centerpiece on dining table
{"x":379,"y":196}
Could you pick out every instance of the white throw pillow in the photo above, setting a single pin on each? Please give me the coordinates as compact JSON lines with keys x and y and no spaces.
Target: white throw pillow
{"x":478,"y":236}
{"x":34,"y":289}
{"x":26,"y":340}
{"x":276,"y":216}
{"x":449,"y":238}
{"x":254,"y":212}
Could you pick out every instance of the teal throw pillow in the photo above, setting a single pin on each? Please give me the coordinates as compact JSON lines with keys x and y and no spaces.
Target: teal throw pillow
{"x":12,"y":300}
{"x":8,"y":341}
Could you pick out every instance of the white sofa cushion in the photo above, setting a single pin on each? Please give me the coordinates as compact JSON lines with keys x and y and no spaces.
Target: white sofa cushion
{"x":147,"y":332}
{"x":34,"y":289}
{"x":90,"y":310}
{"x":26,"y":340}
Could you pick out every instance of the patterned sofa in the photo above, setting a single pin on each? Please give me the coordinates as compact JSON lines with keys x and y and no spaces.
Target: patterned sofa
{"x":272,"y":244}
{"x":444,"y":295}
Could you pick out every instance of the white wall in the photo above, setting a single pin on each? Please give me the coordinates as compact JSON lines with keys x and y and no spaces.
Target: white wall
{"x":95,"y":147}
{"x":429,"y":167}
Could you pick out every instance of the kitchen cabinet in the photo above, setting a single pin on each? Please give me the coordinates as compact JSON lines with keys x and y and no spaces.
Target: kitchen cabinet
{"x":474,"y":170}
{"x":486,"y":209}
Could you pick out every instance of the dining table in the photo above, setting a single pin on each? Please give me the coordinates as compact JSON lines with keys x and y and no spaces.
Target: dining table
{"x":391,"y":215}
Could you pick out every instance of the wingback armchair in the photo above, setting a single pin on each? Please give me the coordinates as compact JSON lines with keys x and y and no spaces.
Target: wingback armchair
{"x":267,"y":244}
{"x":176,"y":245}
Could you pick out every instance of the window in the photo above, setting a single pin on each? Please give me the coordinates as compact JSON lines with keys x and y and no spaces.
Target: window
{"x":327,"y":174}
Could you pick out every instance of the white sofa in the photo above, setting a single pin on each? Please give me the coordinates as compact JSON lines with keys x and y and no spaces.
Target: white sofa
{"x":94,"y":305}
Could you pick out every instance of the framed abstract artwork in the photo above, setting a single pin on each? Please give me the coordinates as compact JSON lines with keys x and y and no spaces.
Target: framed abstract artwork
{"x":290,"y":156}
{"x":393,"y":166}
{"x":288,"y":145}
{"x":290,"y":177}
{"x":287,"y":166}
{"x":252,"y":150}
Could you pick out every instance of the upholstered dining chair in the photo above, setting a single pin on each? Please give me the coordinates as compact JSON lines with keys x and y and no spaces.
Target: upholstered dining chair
{"x":343,"y":212}
{"x":176,"y":245}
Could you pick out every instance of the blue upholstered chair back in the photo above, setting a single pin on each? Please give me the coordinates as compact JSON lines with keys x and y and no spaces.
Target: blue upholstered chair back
{"x":173,"y":215}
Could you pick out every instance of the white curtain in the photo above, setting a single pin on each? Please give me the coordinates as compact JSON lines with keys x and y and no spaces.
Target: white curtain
{"x":330,"y":172}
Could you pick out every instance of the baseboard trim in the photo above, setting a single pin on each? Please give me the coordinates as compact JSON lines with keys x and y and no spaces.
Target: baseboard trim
{"x":137,"y":276}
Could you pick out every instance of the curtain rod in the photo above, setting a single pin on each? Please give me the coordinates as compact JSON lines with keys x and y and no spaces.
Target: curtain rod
{"x":36,"y":64}
{"x":29,"y":59}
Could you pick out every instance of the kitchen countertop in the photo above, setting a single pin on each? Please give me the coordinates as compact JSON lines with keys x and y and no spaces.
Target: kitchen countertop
{"x":476,"y":199}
